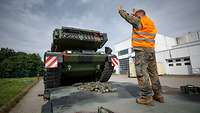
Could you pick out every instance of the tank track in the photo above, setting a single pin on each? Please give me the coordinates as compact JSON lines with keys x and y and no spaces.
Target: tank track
{"x":107,"y":72}
{"x":52,"y":78}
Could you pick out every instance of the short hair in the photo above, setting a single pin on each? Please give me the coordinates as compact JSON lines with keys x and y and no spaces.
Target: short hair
{"x":140,"y":11}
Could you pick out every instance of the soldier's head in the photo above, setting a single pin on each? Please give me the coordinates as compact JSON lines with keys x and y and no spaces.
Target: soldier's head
{"x":140,"y":13}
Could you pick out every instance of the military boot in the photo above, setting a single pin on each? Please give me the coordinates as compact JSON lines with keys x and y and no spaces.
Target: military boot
{"x":158,"y":98}
{"x":145,"y":100}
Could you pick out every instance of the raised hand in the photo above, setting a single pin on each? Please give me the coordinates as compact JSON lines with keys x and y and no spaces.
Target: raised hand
{"x":119,"y":7}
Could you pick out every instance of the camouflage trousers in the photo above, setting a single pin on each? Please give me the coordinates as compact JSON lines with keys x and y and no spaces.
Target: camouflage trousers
{"x":146,"y":72}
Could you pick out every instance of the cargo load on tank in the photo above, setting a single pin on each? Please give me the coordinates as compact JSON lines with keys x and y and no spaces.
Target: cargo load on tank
{"x":74,"y":58}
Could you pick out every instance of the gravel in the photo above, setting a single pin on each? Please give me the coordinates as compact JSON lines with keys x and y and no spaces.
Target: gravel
{"x":99,"y":87}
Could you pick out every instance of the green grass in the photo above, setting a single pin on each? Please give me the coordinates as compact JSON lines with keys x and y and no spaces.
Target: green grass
{"x":10,"y":87}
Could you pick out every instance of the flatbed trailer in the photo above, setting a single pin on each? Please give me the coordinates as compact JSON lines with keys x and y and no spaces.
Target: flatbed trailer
{"x":69,"y":99}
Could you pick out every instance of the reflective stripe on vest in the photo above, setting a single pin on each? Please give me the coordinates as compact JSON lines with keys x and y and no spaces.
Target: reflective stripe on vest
{"x":144,"y":33}
{"x":143,"y":39}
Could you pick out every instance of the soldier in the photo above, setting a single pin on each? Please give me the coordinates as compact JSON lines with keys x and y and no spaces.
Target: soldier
{"x":143,"y":43}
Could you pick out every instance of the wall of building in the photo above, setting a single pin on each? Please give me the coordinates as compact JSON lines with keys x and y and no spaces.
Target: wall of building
{"x":162,"y":43}
{"x":189,"y":37}
{"x":189,"y":50}
{"x":180,"y":56}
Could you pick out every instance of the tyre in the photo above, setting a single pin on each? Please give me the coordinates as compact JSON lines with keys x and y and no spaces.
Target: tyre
{"x":107,"y":72}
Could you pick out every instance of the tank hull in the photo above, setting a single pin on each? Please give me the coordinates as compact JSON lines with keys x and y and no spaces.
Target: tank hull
{"x":82,"y":68}
{"x":74,"y":58}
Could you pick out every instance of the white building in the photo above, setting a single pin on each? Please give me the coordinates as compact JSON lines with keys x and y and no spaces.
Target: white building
{"x":180,"y":56}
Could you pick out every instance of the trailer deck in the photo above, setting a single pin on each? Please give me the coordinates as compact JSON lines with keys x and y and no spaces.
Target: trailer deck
{"x":70,"y":100}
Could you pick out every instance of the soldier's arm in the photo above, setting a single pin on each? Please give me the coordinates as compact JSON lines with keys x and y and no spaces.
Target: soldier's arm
{"x":134,"y":21}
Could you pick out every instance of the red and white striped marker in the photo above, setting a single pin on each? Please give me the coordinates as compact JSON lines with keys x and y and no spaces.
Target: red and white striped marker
{"x":115,"y":61}
{"x":51,"y":62}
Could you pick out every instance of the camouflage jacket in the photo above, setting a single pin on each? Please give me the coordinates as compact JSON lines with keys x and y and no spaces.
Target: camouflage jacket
{"x":133,"y":20}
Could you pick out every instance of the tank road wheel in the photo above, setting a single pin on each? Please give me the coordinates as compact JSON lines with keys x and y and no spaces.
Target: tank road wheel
{"x":107,"y":72}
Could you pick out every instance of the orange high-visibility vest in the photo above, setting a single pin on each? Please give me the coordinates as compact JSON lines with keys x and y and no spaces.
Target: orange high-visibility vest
{"x":145,"y":36}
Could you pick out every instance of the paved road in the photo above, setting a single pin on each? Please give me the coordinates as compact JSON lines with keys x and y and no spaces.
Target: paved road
{"x":170,"y":80}
{"x":31,"y":102}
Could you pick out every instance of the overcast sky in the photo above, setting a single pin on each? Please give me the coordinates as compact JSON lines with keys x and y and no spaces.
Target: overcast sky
{"x":27,"y":25}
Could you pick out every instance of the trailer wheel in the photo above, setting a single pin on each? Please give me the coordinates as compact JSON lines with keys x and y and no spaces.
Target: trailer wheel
{"x":107,"y":72}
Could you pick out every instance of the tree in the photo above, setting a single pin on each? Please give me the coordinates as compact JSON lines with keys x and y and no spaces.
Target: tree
{"x":20,"y":64}
{"x":5,"y":53}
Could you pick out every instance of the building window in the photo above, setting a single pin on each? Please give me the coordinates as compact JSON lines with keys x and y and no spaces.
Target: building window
{"x":181,"y":61}
{"x":124,"y":63}
{"x":178,"y":64}
{"x":170,"y":60}
{"x":187,"y":63}
{"x":123,"y":52}
{"x":178,"y":60}
{"x":187,"y":59}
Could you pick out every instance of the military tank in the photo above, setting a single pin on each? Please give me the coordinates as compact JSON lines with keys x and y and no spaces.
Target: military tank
{"x":74,"y":58}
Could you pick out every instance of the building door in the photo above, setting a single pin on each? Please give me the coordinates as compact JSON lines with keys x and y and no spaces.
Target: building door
{"x":124,"y":65}
{"x":179,"y":66}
